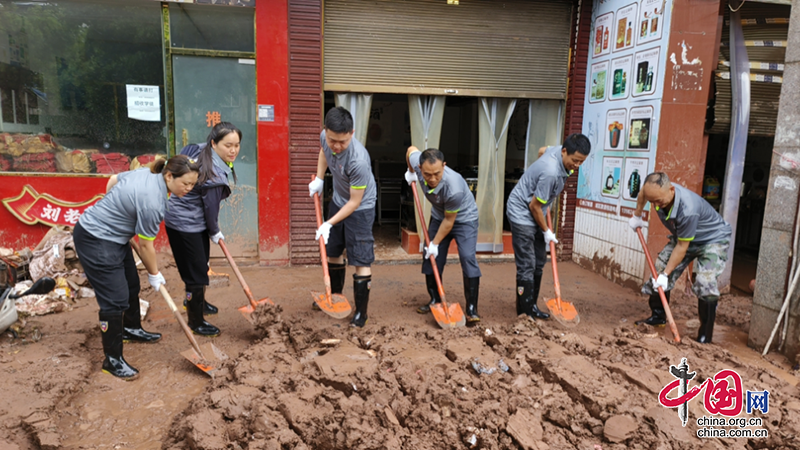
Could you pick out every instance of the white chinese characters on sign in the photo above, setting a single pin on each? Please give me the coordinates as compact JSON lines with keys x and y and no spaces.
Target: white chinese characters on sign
{"x":72,"y":216}
{"x":51,"y":213}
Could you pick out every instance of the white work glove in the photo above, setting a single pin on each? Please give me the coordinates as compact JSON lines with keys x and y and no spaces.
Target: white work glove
{"x":315,"y":187}
{"x":549,"y":237}
{"x":431,"y":250}
{"x":661,"y":282}
{"x":156,"y":280}
{"x":411,"y":177}
{"x":215,"y":238}
{"x":636,"y":222}
{"x":324,"y":230}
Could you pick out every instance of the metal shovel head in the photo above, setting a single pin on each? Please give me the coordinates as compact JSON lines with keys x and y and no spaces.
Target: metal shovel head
{"x":248,"y":310}
{"x":454,"y":317}
{"x":564,"y":312}
{"x":338,"y":307}
{"x":212,"y":361}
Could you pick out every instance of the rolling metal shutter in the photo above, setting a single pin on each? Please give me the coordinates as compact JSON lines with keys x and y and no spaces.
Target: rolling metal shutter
{"x":485,"y":48}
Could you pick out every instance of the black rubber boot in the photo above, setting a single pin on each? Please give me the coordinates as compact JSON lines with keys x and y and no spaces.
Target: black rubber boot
{"x":707,"y":310}
{"x":522,"y":303}
{"x":114,"y":363}
{"x":659,"y":316}
{"x":196,"y":301}
{"x":361,"y":286}
{"x":534,"y":299}
{"x":132,"y":325}
{"x":471,"y":290}
{"x":337,"y":273}
{"x":433,"y":291}
{"x":210,"y":309}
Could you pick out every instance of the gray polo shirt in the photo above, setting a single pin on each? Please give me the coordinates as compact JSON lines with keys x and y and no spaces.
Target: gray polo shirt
{"x":351,"y":168}
{"x":452,"y":194}
{"x":134,"y":206}
{"x":692,"y":219}
{"x":544,"y":179}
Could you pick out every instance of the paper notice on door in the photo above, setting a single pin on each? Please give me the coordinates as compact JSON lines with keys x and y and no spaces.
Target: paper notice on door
{"x":144,"y":102}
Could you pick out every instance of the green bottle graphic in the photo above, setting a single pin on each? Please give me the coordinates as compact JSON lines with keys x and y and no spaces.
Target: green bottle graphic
{"x":634,"y":183}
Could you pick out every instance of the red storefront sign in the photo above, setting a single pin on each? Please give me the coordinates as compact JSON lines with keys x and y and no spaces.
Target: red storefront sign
{"x":31,"y":208}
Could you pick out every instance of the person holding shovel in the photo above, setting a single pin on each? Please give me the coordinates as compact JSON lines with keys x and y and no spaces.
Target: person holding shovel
{"x":527,"y":207}
{"x":194,"y":218}
{"x":134,"y":204}
{"x":699,"y":233}
{"x":454,"y":215}
{"x":352,"y":209}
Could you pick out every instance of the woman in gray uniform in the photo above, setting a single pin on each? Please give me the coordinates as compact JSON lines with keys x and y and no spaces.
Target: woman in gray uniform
{"x":193,"y":219}
{"x":134,"y":204}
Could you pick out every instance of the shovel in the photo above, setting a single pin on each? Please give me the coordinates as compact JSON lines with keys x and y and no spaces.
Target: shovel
{"x":208,"y":361}
{"x":564,"y":312}
{"x":247,"y":310}
{"x":334,"y":305}
{"x":664,"y":303}
{"x":447,"y":316}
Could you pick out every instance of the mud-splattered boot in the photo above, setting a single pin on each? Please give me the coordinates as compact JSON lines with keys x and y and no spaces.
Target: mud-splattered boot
{"x":132,"y":330}
{"x":471,"y":290}
{"x":114,"y":363}
{"x":534,"y":310}
{"x":659,"y":316}
{"x":338,"y":273}
{"x":196,"y":299}
{"x":210,"y":309}
{"x":433,"y":291}
{"x":361,"y":287}
{"x":707,"y":310}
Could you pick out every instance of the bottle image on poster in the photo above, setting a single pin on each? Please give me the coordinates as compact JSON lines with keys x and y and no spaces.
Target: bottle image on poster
{"x":640,"y":124}
{"x":603,"y":28}
{"x":599,"y":77}
{"x":612,"y":172}
{"x":620,"y":77}
{"x":635,"y":173}
{"x":624,"y":35}
{"x":650,"y":18}
{"x":645,"y":66}
{"x":615,"y":127}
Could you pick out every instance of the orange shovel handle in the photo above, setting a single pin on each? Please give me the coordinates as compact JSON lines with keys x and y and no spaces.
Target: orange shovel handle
{"x":553,"y":260}
{"x":239,"y":276}
{"x":428,"y":243}
{"x":664,"y":303}
{"x":323,"y":252}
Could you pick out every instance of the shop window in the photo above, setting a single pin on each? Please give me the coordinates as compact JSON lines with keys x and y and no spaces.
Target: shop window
{"x":81,"y":86}
{"x":201,"y":27}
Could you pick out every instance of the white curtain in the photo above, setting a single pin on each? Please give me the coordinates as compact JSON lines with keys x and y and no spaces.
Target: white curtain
{"x":493,"y":119}
{"x":359,"y":106}
{"x":425,"y":114}
{"x":544,"y":127}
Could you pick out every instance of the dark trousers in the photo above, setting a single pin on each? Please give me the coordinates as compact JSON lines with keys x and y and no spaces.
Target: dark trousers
{"x":530,"y":251}
{"x":191,"y":252}
{"x":466,"y":236}
{"x":353,"y":234}
{"x":110,"y":268}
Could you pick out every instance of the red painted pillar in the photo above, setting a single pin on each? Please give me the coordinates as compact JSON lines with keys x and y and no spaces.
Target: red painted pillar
{"x":272,"y":84}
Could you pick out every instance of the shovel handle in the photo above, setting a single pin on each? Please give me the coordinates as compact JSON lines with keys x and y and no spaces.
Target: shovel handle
{"x":664,"y":303}
{"x":239,"y":276}
{"x":428,"y":242}
{"x":323,"y":252}
{"x":553,"y":261}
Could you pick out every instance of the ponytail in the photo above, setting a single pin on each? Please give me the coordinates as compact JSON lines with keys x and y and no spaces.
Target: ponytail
{"x":158,"y":165}
{"x":205,"y":160}
{"x":178,"y":166}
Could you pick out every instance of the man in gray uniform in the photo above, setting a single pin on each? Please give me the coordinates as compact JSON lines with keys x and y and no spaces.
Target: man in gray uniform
{"x":698,"y":232}
{"x":527,"y":207}
{"x":352,"y":210}
{"x":454,"y":215}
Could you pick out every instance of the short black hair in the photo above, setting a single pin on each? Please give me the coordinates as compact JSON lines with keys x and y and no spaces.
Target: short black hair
{"x":577,"y":142}
{"x":660,"y":179}
{"x":431,"y":156}
{"x":339,"y":120}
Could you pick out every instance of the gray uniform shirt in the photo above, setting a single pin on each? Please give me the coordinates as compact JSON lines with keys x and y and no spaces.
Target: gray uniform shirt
{"x":134,"y":206}
{"x":452,"y":194}
{"x":692,"y":219}
{"x":350,"y":169}
{"x":544,"y":179}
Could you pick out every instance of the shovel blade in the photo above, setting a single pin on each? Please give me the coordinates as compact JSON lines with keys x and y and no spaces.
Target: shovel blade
{"x":337,"y":307}
{"x":248,"y":310}
{"x":452,"y":318}
{"x":212,"y":361}
{"x":564,"y":312}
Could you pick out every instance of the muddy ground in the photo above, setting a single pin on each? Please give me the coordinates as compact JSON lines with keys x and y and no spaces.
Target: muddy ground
{"x":401,"y":382}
